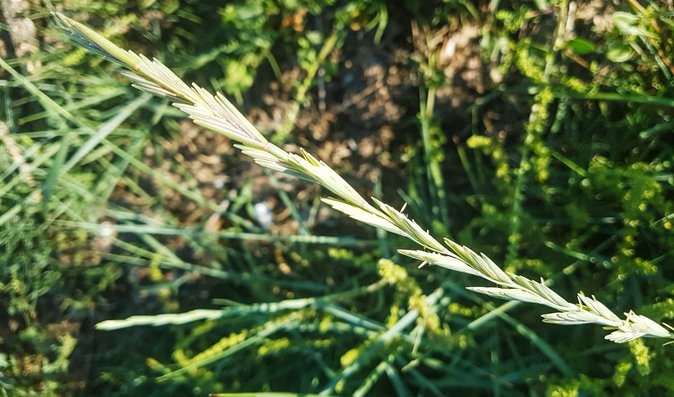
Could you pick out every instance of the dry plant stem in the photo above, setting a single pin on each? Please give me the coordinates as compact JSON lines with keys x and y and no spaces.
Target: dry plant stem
{"x":216,"y":113}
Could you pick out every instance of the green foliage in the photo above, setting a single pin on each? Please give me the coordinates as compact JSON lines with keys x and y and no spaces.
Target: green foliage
{"x":562,"y":169}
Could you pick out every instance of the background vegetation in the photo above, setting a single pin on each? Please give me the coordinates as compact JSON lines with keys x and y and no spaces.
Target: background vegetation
{"x":537,"y":132}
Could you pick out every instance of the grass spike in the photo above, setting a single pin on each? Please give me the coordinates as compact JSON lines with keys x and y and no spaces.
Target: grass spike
{"x":218,"y":114}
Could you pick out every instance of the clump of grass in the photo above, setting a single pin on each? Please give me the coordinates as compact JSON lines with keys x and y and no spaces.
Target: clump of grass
{"x":216,"y":113}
